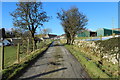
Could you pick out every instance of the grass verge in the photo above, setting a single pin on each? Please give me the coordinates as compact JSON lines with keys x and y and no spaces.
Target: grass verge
{"x":14,"y":70}
{"x":90,"y":66}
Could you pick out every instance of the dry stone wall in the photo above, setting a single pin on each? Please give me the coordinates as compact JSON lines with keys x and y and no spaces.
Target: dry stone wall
{"x":92,"y":47}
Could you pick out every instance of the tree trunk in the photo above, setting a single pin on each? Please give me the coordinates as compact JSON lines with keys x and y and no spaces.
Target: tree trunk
{"x":73,"y":38}
{"x":67,"y":41}
{"x":72,"y":41}
{"x":33,"y":36}
{"x":33,"y":45}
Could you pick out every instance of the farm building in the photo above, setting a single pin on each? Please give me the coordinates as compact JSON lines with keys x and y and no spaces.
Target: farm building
{"x":87,"y":33}
{"x":117,"y":29}
{"x":49,"y":36}
{"x":6,"y":42}
{"x":106,"y":32}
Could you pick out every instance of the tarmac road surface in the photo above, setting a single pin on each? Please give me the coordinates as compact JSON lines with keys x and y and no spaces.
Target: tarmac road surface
{"x":56,"y":62}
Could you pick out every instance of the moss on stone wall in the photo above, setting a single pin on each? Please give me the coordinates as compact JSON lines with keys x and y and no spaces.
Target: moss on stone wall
{"x":110,"y":44}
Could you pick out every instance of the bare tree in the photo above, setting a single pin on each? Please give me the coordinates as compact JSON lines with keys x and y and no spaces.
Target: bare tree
{"x":29,"y":16}
{"x":73,"y":22}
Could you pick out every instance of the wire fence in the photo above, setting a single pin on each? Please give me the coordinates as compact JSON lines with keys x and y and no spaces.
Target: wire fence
{"x":18,"y":50}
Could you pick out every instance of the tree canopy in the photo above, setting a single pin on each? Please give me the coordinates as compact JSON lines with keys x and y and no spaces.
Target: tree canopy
{"x":73,"y":22}
{"x":29,"y":16}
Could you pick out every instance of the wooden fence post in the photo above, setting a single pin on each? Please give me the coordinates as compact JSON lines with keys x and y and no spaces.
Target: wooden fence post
{"x":28,"y":46}
{"x":37,"y":45}
{"x":33,"y":45}
{"x":18,"y":53}
{"x":2,"y":56}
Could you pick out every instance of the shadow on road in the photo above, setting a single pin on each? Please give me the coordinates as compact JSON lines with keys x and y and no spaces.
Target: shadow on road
{"x":42,"y":74}
{"x":30,"y":64}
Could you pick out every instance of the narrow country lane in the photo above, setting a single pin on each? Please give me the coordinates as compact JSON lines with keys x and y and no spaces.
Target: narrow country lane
{"x":56,"y":62}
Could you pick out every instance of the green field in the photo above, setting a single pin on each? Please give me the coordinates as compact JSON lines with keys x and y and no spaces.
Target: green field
{"x":10,"y":55}
{"x":13,"y":70}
